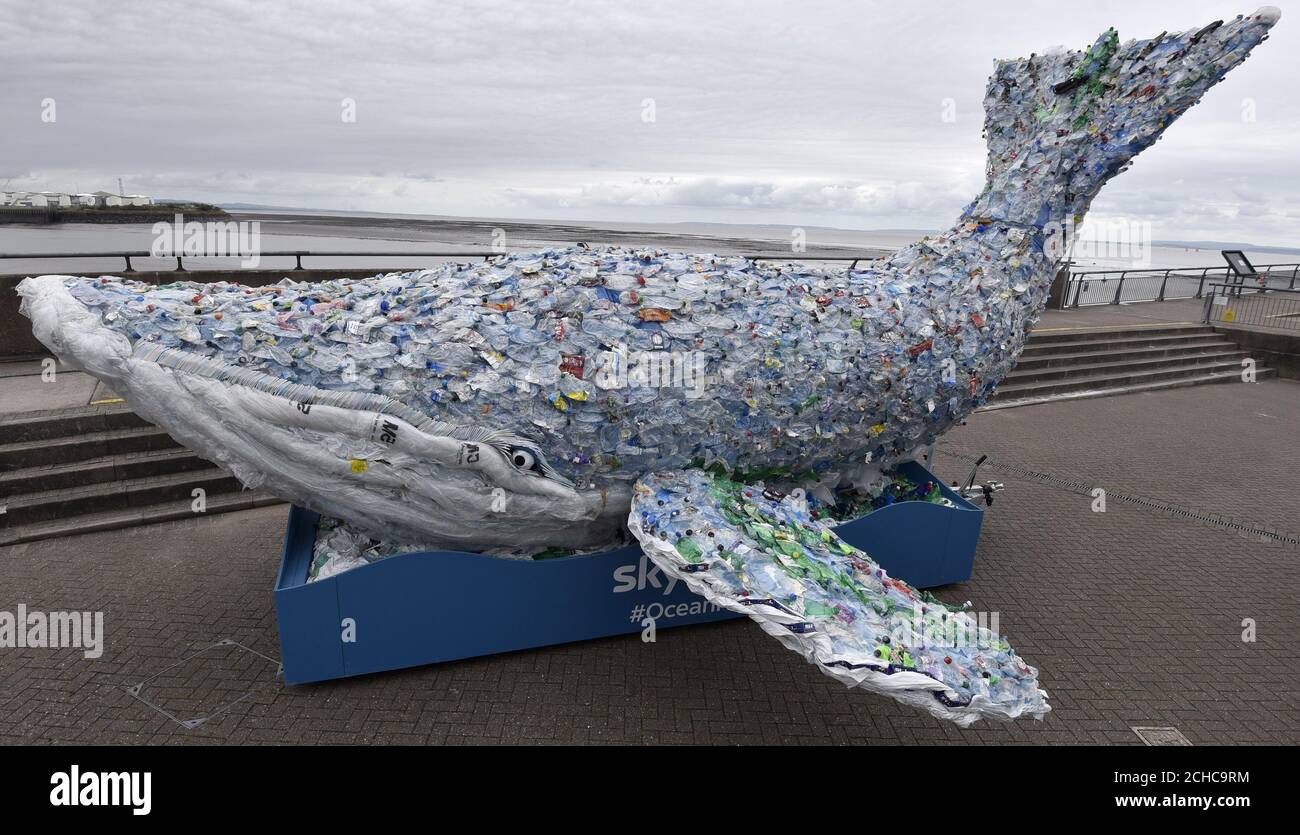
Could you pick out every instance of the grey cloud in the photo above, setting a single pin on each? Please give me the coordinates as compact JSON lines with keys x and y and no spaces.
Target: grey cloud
{"x":823,"y":113}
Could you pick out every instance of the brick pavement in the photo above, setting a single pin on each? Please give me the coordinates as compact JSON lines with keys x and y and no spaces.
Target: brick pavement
{"x":1133,"y":617}
{"x":1139,"y":314}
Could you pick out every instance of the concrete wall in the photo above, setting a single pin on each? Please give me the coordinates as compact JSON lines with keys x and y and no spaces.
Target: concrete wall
{"x":1268,"y":349}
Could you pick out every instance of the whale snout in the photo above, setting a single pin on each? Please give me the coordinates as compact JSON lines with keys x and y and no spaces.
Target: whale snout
{"x":1268,"y":15}
{"x":1223,"y":42}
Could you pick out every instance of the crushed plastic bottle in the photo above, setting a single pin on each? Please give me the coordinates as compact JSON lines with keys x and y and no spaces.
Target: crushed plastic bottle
{"x":787,"y":352}
{"x":755,"y":551}
{"x":340,"y":547}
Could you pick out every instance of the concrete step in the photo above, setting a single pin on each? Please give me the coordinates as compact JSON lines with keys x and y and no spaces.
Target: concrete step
{"x":1049,"y":337}
{"x":100,"y":471}
{"x":1102,"y":352}
{"x":98,"y":468}
{"x":1106,"y":364}
{"x":133,"y":516}
{"x":72,"y":448}
{"x":1204,"y":379}
{"x":67,"y":502}
{"x":1034,"y":348}
{"x":1120,"y":378}
{"x":62,"y":423}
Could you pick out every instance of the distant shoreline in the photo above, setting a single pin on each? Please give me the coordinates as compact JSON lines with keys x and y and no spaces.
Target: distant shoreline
{"x":515,"y":234}
{"x":50,"y":215}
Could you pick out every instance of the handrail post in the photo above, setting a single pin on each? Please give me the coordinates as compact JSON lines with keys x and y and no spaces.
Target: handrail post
{"x":180,"y":268}
{"x":298,"y":259}
{"x":1163,"y":282}
{"x":129,"y":268}
{"x":1119,"y":289}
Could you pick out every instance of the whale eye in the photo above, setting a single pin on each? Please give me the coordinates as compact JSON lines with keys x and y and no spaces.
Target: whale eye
{"x":522,"y":459}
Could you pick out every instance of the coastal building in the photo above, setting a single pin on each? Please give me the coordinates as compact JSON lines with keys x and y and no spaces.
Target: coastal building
{"x":62,"y":200}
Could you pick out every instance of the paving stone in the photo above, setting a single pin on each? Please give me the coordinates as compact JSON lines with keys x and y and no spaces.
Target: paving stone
{"x":30,"y":393}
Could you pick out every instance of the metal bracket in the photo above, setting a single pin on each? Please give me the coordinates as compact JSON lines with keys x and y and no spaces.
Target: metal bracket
{"x":973,"y":492}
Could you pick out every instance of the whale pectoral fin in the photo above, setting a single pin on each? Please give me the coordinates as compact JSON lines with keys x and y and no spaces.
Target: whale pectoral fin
{"x":756,"y":552}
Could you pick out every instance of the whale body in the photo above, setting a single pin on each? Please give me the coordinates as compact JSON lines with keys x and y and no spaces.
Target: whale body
{"x":523,"y":402}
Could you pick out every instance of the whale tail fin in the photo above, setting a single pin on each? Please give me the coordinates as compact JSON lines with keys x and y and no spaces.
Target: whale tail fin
{"x":1059,"y":126}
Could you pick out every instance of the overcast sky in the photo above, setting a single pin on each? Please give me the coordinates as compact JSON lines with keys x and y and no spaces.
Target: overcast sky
{"x":808,"y":113}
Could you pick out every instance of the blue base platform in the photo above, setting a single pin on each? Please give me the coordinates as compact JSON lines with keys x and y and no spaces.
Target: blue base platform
{"x":426,"y":607}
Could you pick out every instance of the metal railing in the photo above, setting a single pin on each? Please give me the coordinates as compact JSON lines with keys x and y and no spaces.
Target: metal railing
{"x":298,"y":255}
{"x":1083,"y":287}
{"x":1237,"y":304}
{"x":1089,"y":287}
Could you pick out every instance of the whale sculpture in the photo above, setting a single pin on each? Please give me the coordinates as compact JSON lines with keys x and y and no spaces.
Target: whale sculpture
{"x":558,"y":398}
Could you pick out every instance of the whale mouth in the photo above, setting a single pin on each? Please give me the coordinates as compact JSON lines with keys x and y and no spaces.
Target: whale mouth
{"x":387,"y":420}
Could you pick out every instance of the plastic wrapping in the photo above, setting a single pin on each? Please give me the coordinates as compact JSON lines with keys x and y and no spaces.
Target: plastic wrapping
{"x":341,"y":547}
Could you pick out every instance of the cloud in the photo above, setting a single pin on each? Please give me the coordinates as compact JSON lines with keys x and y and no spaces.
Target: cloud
{"x":827,"y":113}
